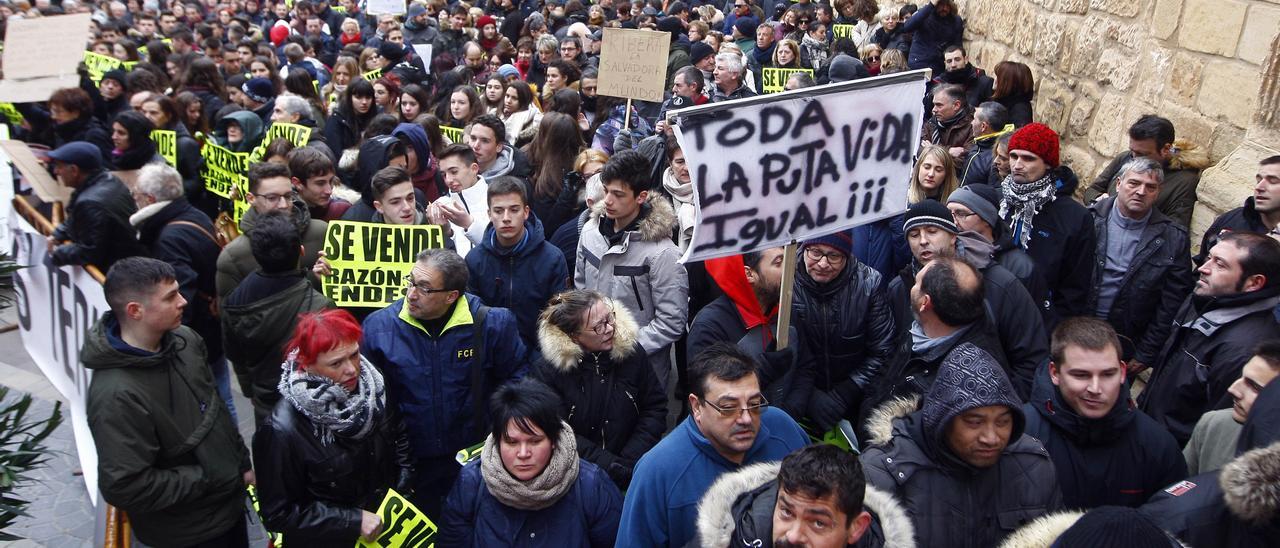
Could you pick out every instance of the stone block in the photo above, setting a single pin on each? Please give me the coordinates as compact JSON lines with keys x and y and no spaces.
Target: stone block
{"x":1081,"y":161}
{"x":1184,"y":78}
{"x":1225,"y":185}
{"x":1123,"y":8}
{"x":1155,"y":66}
{"x":1219,"y":37}
{"x":1026,"y":37}
{"x":1088,"y":46}
{"x":1049,"y":48}
{"x":1081,"y":114}
{"x":1229,"y":91}
{"x":1225,"y":139}
{"x":1005,"y":21}
{"x":1259,"y":31}
{"x":1164,"y":18}
{"x":1109,"y":124}
{"x":1117,"y":68}
{"x":1127,"y":35}
{"x":1073,"y":6}
{"x":1190,"y":124}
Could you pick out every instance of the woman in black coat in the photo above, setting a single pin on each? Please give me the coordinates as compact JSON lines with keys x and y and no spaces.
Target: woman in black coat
{"x":332,"y":446}
{"x":609,"y":393}
{"x":131,"y":142}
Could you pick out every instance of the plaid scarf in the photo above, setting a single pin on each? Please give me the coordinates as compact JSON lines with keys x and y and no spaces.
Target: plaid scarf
{"x":332,"y":410}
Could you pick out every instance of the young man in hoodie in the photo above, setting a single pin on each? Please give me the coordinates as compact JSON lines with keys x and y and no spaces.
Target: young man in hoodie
{"x":817,"y":497}
{"x":961,"y":465}
{"x":513,"y":266}
{"x":168,"y":453}
{"x":487,"y":137}
{"x":626,"y":253}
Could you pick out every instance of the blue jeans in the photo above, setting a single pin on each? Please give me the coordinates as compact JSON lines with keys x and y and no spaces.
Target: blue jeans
{"x":222,"y":379}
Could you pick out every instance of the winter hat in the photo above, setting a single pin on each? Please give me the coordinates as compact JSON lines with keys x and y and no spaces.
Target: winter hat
{"x":416,"y":9}
{"x":746,"y":26}
{"x":982,"y":199}
{"x":928,"y":213}
{"x":115,"y":74}
{"x":699,"y":51}
{"x":508,"y":70}
{"x":278,"y":34}
{"x":1037,"y":139}
{"x":844,"y":68}
{"x":391,"y":51}
{"x":968,"y":378}
{"x":671,"y":25}
{"x":842,"y":241}
{"x":535,"y":20}
{"x":1114,"y":527}
{"x":259,"y":89}
{"x":81,"y":154}
{"x":485,"y":20}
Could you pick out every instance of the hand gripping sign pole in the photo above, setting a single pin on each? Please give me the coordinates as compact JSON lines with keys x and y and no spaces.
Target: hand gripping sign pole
{"x":787,"y":167}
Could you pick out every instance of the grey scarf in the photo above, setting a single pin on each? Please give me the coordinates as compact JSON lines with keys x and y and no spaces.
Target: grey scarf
{"x":1019,"y":203}
{"x":540,"y":492}
{"x":331,"y":410}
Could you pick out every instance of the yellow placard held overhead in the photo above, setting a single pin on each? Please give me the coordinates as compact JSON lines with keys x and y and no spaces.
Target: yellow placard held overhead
{"x":403,"y":525}
{"x":775,"y":79}
{"x":370,"y":260}
{"x":166,"y":141}
{"x":299,"y":135}
{"x":99,"y":64}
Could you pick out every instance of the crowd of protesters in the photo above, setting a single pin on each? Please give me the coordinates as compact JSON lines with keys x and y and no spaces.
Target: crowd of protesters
{"x":1014,"y":360}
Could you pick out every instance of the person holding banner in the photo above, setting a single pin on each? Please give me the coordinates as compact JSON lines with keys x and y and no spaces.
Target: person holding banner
{"x":334,"y":411}
{"x":529,"y":487}
{"x":97,"y":222}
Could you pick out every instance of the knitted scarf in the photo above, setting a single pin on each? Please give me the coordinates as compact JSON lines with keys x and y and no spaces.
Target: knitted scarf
{"x":540,"y":492}
{"x":1019,"y":203}
{"x":938,"y":125}
{"x":330,"y":408}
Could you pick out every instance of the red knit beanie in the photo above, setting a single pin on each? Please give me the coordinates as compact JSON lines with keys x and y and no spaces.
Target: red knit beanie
{"x":485,"y":20}
{"x":1037,"y":139}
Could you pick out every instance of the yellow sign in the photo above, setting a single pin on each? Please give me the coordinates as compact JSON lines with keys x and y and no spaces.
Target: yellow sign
{"x":224,"y":170}
{"x":166,"y":141}
{"x":841,"y":31}
{"x":277,"y":539}
{"x":294,"y":133}
{"x":775,"y":79}
{"x":469,"y":454}
{"x":453,"y":134}
{"x":11,"y":114}
{"x":370,"y":260}
{"x":99,"y":64}
{"x":403,"y":525}
{"x":373,"y":75}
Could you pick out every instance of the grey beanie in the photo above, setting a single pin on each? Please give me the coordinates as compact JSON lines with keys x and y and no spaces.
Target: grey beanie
{"x":972,"y":197}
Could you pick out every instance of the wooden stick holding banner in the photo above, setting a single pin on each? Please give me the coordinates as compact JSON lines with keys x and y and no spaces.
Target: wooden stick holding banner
{"x":788,"y":291}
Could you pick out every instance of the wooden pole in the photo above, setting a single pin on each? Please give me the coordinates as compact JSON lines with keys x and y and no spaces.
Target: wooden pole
{"x":784,"y":298}
{"x":626,"y":120}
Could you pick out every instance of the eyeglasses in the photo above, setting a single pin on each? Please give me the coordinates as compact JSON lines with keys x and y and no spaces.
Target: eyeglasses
{"x":873,"y":58}
{"x":754,"y":408}
{"x":960,"y":216}
{"x":802,"y":22}
{"x":421,"y":287}
{"x":605,"y":324}
{"x":273,"y":198}
{"x":834,"y":258}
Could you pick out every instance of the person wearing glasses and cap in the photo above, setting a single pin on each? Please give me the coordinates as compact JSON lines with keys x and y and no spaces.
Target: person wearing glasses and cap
{"x":730,"y":425}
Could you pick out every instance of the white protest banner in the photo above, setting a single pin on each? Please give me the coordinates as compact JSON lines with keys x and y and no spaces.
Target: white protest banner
{"x":424,"y":53}
{"x":633,"y":64}
{"x":56,"y":306}
{"x":41,"y":55}
{"x":800,"y":164}
{"x":391,"y":7}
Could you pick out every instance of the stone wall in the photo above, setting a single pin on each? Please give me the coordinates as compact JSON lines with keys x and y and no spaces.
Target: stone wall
{"x":1099,"y":64}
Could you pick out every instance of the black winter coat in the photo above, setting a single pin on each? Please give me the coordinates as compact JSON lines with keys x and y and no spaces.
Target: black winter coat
{"x":1062,"y":245}
{"x":98,"y":224}
{"x":1120,"y":459}
{"x":86,"y":128}
{"x":313,"y":492}
{"x":194,"y":255}
{"x":911,"y":373}
{"x":1241,"y":219}
{"x":1157,"y":282}
{"x":1210,"y":343}
{"x":612,"y":400}
{"x":846,"y":328}
{"x":977,"y":85}
{"x":1017,"y":262}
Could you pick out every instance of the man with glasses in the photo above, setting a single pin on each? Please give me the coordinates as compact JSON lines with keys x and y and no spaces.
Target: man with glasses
{"x":270,"y":189}
{"x":571,"y":51}
{"x":442,"y":353}
{"x":846,"y":327}
{"x":730,"y":426}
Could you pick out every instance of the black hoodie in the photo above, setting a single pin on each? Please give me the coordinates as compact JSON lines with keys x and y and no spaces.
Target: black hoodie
{"x":142,"y":150}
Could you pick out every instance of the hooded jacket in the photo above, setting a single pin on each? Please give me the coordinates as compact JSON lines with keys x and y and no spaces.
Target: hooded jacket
{"x":1211,"y":341}
{"x":163,"y":228}
{"x":612,"y":400}
{"x":258,"y":318}
{"x":250,"y":126}
{"x":1062,"y":246}
{"x":951,"y":502}
{"x":738,"y":511}
{"x":1241,"y":219}
{"x":510,"y":161}
{"x":671,"y":479}
{"x":97,"y":224}
{"x":640,"y":271}
{"x":1120,"y":459}
{"x":522,"y":278}
{"x":168,"y":452}
{"x":1177,"y":196}
{"x":236,"y":260}
{"x":1236,"y":507}
{"x":142,"y":150}
{"x":846,"y":328}
{"x":931,"y":33}
{"x":1158,"y":280}
{"x":426,"y":178}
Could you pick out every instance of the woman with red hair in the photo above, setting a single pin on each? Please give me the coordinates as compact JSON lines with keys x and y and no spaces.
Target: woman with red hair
{"x":332,"y":447}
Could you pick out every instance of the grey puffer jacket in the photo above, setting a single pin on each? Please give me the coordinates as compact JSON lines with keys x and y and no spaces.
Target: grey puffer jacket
{"x":738,"y":511}
{"x":641,"y":272}
{"x":950,"y":502}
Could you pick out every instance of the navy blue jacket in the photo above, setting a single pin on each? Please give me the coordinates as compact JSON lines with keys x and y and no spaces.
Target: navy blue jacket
{"x":521,"y":279}
{"x":882,"y":245}
{"x":932,"y":34}
{"x":429,"y":377}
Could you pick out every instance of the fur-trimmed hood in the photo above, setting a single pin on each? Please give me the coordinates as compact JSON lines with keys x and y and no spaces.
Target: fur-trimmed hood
{"x":1251,"y":485}
{"x":658,"y":223}
{"x":1046,"y":529}
{"x":879,"y":425}
{"x":716,"y":520}
{"x":1188,"y":155}
{"x":559,"y":349}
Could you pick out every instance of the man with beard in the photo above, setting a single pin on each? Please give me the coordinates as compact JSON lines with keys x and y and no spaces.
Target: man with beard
{"x":975,"y":82}
{"x":730,"y":425}
{"x":1260,"y":213}
{"x":1230,"y":310}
